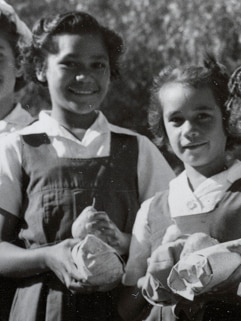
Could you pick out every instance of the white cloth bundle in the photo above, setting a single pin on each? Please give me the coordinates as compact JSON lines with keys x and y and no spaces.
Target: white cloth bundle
{"x":154,"y":284}
{"x":200,"y":271}
{"x":99,"y":264}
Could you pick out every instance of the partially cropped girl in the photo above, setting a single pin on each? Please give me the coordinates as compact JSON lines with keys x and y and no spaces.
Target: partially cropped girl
{"x":190,"y":113}
{"x":13,"y":35}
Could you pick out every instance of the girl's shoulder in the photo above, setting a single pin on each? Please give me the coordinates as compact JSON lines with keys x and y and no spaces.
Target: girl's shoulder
{"x":130,"y":132}
{"x":14,"y":139}
{"x":160,"y":198}
{"x":159,"y":203}
{"x":156,"y":207}
{"x":35,"y":127}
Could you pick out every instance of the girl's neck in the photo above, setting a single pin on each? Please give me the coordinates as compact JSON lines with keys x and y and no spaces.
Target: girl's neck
{"x":74,"y":122}
{"x":198,"y":175}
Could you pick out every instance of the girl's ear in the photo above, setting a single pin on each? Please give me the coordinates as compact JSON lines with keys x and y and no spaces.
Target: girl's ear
{"x":41,"y":75}
{"x":18,"y":71}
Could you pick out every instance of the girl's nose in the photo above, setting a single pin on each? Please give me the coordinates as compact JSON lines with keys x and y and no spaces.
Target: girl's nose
{"x":83,"y":77}
{"x":190,"y":131}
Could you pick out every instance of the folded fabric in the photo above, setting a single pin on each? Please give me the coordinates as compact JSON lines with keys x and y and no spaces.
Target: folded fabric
{"x":99,"y":264}
{"x":200,"y":271}
{"x":154,"y":285}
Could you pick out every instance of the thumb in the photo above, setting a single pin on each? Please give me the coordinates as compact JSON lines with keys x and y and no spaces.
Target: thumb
{"x":72,"y":242}
{"x":140,"y":282}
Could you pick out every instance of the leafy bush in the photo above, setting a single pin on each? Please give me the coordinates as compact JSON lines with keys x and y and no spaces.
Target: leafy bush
{"x":156,"y":33}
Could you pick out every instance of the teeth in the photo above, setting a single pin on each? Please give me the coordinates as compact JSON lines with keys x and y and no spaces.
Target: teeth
{"x":82,"y":92}
{"x":194,"y":145}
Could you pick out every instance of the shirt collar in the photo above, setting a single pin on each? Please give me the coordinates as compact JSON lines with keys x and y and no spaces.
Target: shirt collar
{"x":183,"y":201}
{"x":18,"y":116}
{"x":53,"y":128}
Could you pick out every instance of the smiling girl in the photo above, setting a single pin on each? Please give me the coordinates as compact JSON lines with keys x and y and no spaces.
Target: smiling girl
{"x":189,"y":113}
{"x":13,"y":34}
{"x":53,"y":169}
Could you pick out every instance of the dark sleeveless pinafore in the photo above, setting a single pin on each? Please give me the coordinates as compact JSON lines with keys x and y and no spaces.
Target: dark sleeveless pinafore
{"x":224,"y":224}
{"x":56,"y":190}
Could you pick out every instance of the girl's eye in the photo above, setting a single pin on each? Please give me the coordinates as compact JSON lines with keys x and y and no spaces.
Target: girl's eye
{"x":99,"y":65}
{"x":176,"y":121}
{"x":69,"y":64}
{"x":203,"y":116}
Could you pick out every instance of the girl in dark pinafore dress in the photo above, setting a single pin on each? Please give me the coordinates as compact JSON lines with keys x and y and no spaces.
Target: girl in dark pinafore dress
{"x":194,"y":112}
{"x":54,"y":168}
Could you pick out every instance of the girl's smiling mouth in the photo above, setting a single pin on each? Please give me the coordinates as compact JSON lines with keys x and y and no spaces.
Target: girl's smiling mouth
{"x":83,"y":91}
{"x":194,"y":145}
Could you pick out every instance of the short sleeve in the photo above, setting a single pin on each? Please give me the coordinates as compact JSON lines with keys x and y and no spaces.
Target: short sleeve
{"x":10,"y":174}
{"x":154,"y":172}
{"x":140,"y":247}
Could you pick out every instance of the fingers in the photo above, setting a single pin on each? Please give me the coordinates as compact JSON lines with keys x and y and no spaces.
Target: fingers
{"x":140,"y":282}
{"x":101,"y":215}
{"x":235,"y":248}
{"x":62,"y":264}
{"x":81,"y":287}
{"x":97,"y":225}
{"x":101,"y":223}
{"x":70,"y":243}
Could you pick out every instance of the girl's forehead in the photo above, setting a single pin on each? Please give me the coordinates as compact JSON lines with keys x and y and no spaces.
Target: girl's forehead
{"x":178,"y":96}
{"x":79,"y":37}
{"x":175,"y":88}
{"x":79,"y":42}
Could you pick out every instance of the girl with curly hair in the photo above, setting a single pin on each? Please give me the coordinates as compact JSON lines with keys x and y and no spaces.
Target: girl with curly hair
{"x":53,"y":169}
{"x":193,"y":111}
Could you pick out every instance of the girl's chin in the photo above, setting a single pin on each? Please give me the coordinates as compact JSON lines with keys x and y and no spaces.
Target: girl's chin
{"x":83,"y":110}
{"x":195,"y":162}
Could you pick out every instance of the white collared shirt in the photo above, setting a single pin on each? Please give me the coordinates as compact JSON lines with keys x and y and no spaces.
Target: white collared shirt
{"x":153,"y":171}
{"x":15,"y":120}
{"x":183,"y":201}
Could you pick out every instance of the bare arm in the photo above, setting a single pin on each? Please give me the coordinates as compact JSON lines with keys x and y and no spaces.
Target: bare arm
{"x":18,"y":262}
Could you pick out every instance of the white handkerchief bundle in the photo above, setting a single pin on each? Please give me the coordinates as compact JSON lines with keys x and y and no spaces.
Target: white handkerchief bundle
{"x":200,"y":271}
{"x":154,"y":284}
{"x":99,"y":264}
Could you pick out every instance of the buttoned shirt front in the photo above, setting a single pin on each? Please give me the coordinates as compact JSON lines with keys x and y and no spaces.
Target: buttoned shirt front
{"x":183,"y":201}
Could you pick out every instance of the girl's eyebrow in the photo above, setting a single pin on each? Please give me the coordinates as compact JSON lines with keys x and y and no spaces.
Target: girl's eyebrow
{"x":204,"y":107}
{"x":173,"y":113}
{"x":197,"y":108}
{"x":76,"y":56}
{"x":100,"y":57}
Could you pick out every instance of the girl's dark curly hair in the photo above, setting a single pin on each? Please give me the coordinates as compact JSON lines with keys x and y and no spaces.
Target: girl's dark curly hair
{"x":234,"y":103}
{"x":212,"y":75}
{"x":9,"y":32}
{"x":75,"y":22}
